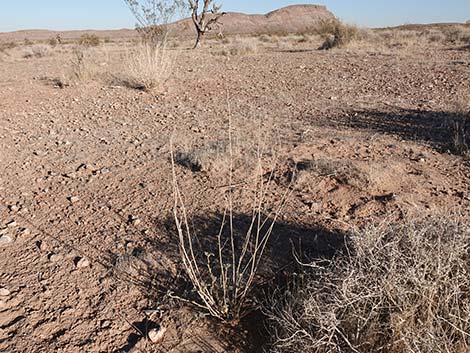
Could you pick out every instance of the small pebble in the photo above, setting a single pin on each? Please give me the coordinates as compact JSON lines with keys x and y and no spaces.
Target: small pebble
{"x":4,"y":292}
{"x":83,"y":262}
{"x":73,"y":199}
{"x":5,"y":240}
{"x":156,"y":335}
{"x":11,"y":224}
{"x":55,"y":257}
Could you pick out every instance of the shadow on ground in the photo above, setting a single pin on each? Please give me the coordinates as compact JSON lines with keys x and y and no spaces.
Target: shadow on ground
{"x":435,"y":128}
{"x":157,"y":270}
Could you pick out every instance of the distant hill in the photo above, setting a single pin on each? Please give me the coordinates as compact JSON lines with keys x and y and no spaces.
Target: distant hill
{"x":420,"y":27}
{"x":290,"y":19}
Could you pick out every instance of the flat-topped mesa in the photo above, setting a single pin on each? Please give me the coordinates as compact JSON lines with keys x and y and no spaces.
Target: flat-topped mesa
{"x":290,"y":19}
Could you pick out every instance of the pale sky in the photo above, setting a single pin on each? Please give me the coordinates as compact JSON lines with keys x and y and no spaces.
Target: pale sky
{"x":111,"y":14}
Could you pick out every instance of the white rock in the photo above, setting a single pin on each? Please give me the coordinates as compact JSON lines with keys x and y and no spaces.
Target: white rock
{"x":156,"y":335}
{"x":5,"y":240}
{"x":4,"y":292}
{"x":74,"y":199}
{"x":83,"y":262}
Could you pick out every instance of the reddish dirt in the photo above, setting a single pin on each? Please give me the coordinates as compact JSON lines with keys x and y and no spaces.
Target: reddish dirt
{"x":85,"y":183}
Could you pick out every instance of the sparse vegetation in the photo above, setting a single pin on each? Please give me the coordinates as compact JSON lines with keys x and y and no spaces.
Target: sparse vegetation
{"x":204,"y":19}
{"x":148,"y":67}
{"x":4,"y":46}
{"x":89,"y":40}
{"x":335,"y":33}
{"x":394,"y":288}
{"x":79,"y":67}
{"x":153,"y":17}
{"x":36,"y":51}
{"x":223,"y":270}
{"x":52,"y":42}
{"x":460,"y":128}
{"x":240,"y":46}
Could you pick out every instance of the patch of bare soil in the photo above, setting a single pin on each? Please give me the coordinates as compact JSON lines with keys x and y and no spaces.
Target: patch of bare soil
{"x":88,"y":250}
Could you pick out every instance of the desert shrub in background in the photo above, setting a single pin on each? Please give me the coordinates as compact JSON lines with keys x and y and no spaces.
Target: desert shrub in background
{"x":79,"y":65}
{"x":153,"y":17}
{"x":53,"y":42}
{"x":36,"y":51}
{"x":89,"y":40}
{"x":242,"y":46}
{"x":264,"y":38}
{"x":7,"y":46}
{"x":435,"y":36}
{"x":394,"y":288}
{"x":336,"y":34}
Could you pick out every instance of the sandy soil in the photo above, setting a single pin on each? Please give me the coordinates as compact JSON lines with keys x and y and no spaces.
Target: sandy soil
{"x":85,"y":179}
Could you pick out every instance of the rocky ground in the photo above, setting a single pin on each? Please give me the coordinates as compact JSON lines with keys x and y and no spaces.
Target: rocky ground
{"x":87,"y":246}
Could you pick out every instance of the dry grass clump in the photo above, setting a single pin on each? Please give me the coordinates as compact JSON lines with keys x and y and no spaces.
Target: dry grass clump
{"x":4,"y":46}
{"x":213,"y":155}
{"x":36,"y":51}
{"x":89,"y":40}
{"x":79,"y":64}
{"x":456,"y":34}
{"x":459,"y":125}
{"x":394,"y":288}
{"x":148,"y":67}
{"x":240,"y":46}
{"x":265,"y":38}
{"x":344,"y":171}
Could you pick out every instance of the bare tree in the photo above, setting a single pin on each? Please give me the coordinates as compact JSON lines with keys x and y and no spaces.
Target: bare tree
{"x":207,"y":19}
{"x":153,"y":17}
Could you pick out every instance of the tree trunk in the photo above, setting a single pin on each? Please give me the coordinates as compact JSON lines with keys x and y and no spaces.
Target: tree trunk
{"x":198,"y":39}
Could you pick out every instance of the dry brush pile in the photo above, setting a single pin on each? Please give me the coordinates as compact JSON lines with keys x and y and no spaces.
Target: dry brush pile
{"x":393,"y":288}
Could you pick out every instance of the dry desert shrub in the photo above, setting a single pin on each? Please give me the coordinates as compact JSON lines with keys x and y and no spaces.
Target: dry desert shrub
{"x":336,"y":34}
{"x":148,"y":67}
{"x":89,"y":40}
{"x":223,"y":268}
{"x":435,"y":36}
{"x":344,"y":171}
{"x":240,"y":46}
{"x":265,"y":38}
{"x":36,"y":51}
{"x":394,"y":288}
{"x":4,"y":46}
{"x":79,"y":64}
{"x":459,"y":126}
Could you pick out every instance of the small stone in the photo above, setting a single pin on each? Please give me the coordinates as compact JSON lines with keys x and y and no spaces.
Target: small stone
{"x":83,"y":262}
{"x":156,"y":335}
{"x":25,"y":231}
{"x":105,"y":324}
{"x":5,"y":240}
{"x":55,"y":257}
{"x":73,"y":199}
{"x":4,"y":292}
{"x":135,"y":221}
{"x":14,"y":208}
{"x":11,"y":224}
